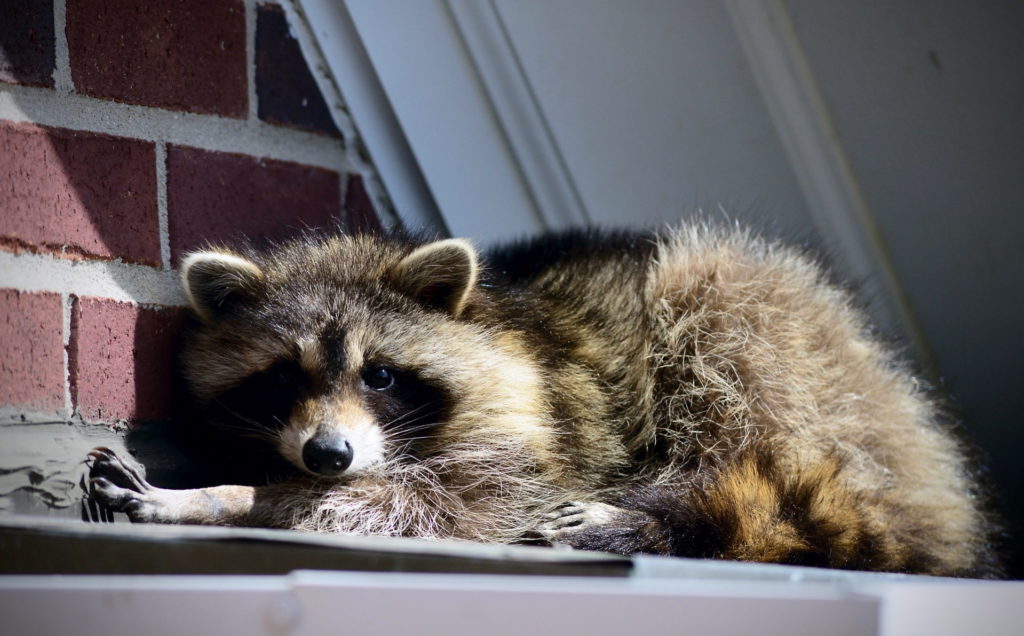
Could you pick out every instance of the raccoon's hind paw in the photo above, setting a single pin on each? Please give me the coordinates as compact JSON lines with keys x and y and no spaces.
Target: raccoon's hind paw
{"x":605,"y":528}
{"x":118,"y":486}
{"x":574,"y":515}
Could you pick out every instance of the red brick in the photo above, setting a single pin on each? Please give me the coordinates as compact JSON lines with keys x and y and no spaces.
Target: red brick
{"x":216,"y":196}
{"x":31,"y":350}
{"x":26,"y":42}
{"x":121,"y":359}
{"x":78,"y":193}
{"x":179,"y":54}
{"x":362,"y":217}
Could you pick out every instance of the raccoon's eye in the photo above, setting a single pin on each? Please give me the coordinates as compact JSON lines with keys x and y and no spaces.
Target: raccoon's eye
{"x":378,"y":378}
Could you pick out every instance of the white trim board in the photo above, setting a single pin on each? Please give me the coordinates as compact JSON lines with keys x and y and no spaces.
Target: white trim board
{"x":455,"y":605}
{"x":525,"y":128}
{"x":446,"y":116}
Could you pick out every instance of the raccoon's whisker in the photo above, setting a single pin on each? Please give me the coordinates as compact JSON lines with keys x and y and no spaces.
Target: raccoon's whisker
{"x":243,"y":429}
{"x":252,"y":434}
{"x":405,"y":432}
{"x":410,"y":417}
{"x":405,"y":444}
{"x":248,"y":432}
{"x":248,"y":420}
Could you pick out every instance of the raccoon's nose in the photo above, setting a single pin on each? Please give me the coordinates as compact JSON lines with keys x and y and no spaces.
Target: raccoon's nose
{"x":327,"y":455}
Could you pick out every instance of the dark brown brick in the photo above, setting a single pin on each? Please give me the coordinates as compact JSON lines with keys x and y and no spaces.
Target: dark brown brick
{"x":121,"y":359}
{"x":78,"y":194}
{"x":286,"y":92}
{"x":217,"y":196}
{"x":26,"y":42}
{"x":179,"y":54}
{"x":362,"y":217}
{"x":31,"y":350}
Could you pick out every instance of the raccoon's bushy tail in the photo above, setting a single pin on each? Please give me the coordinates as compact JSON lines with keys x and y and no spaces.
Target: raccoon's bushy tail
{"x":752,"y":509}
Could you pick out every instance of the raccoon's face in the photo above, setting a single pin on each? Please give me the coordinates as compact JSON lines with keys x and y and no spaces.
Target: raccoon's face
{"x":335,"y":362}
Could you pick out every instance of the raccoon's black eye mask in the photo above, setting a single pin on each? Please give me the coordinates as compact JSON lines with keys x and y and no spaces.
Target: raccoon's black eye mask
{"x":264,"y":399}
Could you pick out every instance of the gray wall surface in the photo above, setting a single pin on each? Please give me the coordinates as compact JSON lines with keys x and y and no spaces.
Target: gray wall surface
{"x":656,"y":112}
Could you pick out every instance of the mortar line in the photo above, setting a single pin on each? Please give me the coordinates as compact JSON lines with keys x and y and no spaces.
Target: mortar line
{"x":207,"y":132}
{"x":125,"y":282}
{"x":63,"y":83}
{"x":161,"y":204}
{"x":250,"y":60}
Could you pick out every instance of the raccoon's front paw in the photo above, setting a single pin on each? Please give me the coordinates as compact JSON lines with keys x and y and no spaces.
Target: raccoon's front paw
{"x":117,"y":486}
{"x":573,"y":517}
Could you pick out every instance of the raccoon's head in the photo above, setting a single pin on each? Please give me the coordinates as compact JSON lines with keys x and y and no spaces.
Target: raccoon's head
{"x":344,"y":354}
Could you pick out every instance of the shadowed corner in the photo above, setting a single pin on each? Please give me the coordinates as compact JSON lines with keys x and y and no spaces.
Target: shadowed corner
{"x":174,"y":443}
{"x":27,"y":54}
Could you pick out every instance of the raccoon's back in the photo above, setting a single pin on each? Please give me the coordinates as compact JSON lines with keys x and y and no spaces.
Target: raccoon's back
{"x":586,"y":289}
{"x":706,"y":342}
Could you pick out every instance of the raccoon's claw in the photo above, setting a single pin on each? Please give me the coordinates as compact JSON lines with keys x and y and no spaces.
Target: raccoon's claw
{"x":568,"y":509}
{"x":105,"y":462}
{"x":117,"y":486}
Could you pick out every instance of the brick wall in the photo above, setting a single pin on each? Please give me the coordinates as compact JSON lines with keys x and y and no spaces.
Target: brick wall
{"x":130,"y":133}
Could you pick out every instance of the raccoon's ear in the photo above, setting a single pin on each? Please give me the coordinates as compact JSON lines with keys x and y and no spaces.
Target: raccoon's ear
{"x":440,"y":274}
{"x":214,"y":281}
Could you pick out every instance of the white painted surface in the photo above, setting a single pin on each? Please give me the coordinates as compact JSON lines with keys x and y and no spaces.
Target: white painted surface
{"x":819,"y":160}
{"x":526,"y":116}
{"x":922,"y":608}
{"x":455,"y":605}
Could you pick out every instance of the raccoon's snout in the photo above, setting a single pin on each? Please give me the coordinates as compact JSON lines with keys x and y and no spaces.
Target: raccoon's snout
{"x":327,"y":456}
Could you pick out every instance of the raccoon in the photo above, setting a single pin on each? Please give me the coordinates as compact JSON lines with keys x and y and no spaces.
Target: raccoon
{"x":699,"y":392}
